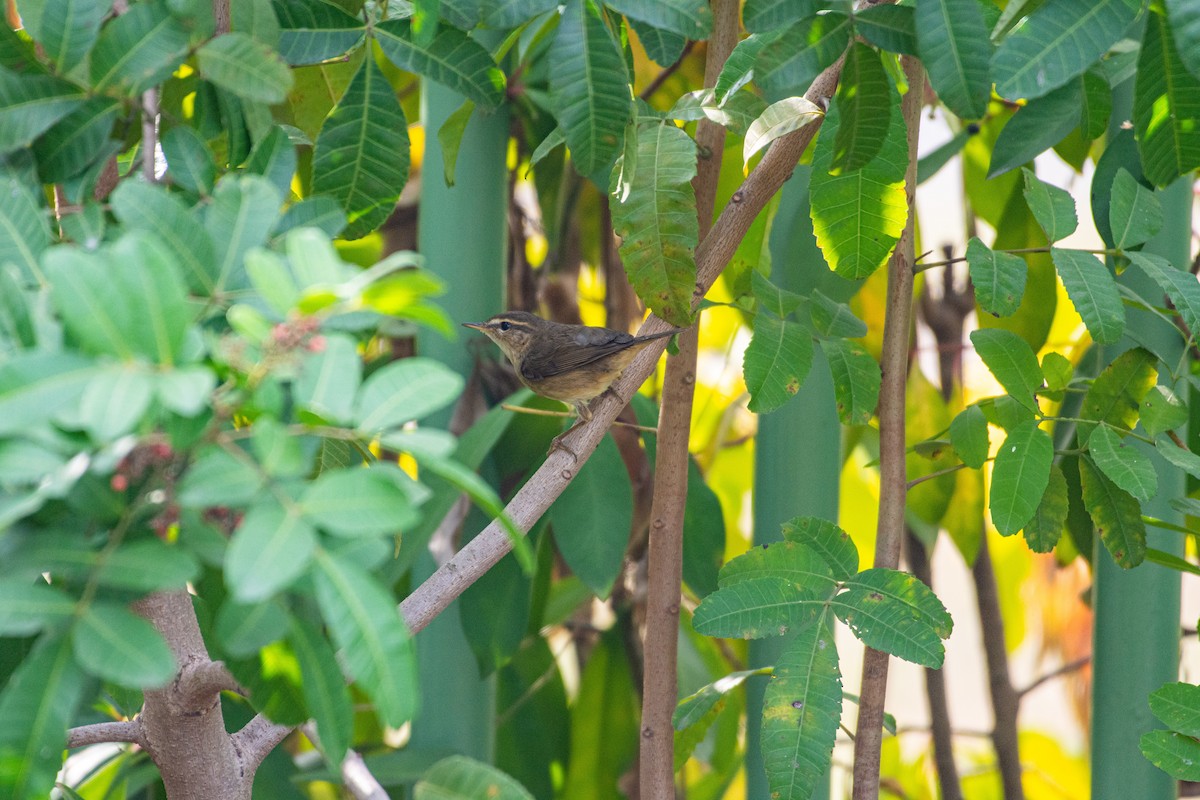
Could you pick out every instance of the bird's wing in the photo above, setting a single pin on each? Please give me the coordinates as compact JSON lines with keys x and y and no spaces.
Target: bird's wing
{"x":586,"y":347}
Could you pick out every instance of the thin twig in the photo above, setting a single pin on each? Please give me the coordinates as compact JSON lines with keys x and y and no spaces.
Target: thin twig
{"x":124,"y":731}
{"x":546,"y":412}
{"x":667,"y":72}
{"x":1065,"y":669}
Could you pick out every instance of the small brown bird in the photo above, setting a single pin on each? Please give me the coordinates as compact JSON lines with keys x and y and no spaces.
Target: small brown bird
{"x":570,"y":363}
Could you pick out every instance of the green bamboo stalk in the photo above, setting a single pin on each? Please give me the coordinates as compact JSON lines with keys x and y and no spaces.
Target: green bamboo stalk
{"x":462,"y":235}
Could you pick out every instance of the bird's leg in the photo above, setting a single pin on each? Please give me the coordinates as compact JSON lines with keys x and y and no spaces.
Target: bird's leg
{"x":582,"y":410}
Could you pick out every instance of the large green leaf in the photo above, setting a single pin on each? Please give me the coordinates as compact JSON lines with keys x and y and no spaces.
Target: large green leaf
{"x":114,"y":402}
{"x":1185,"y":24}
{"x":190,"y":162}
{"x":92,"y":305}
{"x":35,"y":386}
{"x":1124,"y":465}
{"x":121,"y":647}
{"x":357,"y":502}
{"x":739,"y":68}
{"x":692,"y":708}
{"x":325,"y":692}
{"x":1179,"y":285}
{"x":788,"y":63}
{"x":271,"y":548}
{"x":802,"y":706}
{"x":766,"y":15}
{"x":462,"y":778}
{"x":1117,"y":515}
{"x":591,"y":518}
{"x":1093,"y":291}
{"x":1097,"y":104}
{"x":512,"y":13}
{"x":361,"y":156}
{"x":690,"y":18}
{"x":239,"y":63}
{"x":969,"y":436}
{"x":405,"y":390}
{"x":453,"y":59}
{"x":1036,"y":127}
{"x":856,"y":380}
{"x":1019,"y":477}
{"x":1013,"y":363}
{"x":145,"y":272}
{"x":1162,"y":411}
{"x":1166,"y":106}
{"x":889,"y":27}
{"x":589,"y":87}
{"x":138,"y":49}
{"x":776,"y":362}
{"x":64,"y":29}
{"x":1053,"y":207}
{"x":758,"y":607}
{"x":24,"y":228}
{"x":76,"y":141}
{"x":329,"y":380}
{"x":245,"y":628}
{"x":148,"y":207}
{"x":38,"y":705}
{"x":858,"y":216}
{"x":655,"y":216}
{"x":826,"y":539}
{"x":895,"y":612}
{"x":952,"y":39}
{"x":794,"y":562}
{"x":314,"y":31}
{"x":28,"y":606}
{"x":999,"y":278}
{"x":243,"y":209}
{"x":30,"y":104}
{"x":218,"y":478}
{"x":146,"y":566}
{"x":1173,"y":753}
{"x":1135,"y":214}
{"x":864,"y":103}
{"x":1058,"y":42}
{"x":362,"y":619}
{"x":1186,"y":460}
{"x":662,"y":46}
{"x":1042,"y":532}
{"x":1118,"y":391}
{"x":1177,"y":705}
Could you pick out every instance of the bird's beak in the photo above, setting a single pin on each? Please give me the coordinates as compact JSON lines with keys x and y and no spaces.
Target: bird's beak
{"x":476,"y":325}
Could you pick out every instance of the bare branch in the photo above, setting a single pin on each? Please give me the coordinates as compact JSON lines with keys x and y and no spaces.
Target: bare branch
{"x":258,"y":738}
{"x":125,"y":731}
{"x":1065,"y":669}
{"x":199,"y":682}
{"x":358,"y":780}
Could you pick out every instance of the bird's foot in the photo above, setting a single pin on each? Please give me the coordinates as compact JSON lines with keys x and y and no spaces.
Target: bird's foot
{"x":558,"y":444}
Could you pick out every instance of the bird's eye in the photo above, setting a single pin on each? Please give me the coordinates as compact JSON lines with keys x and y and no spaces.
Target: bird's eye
{"x":504,"y":326}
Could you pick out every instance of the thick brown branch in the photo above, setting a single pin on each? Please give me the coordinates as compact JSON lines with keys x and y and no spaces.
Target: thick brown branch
{"x":125,"y":731}
{"x":199,"y":682}
{"x":892,"y":478}
{"x":258,"y":738}
{"x":1005,"y":702}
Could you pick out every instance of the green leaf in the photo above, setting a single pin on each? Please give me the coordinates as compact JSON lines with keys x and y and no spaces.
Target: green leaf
{"x":1166,"y":107}
{"x":1097,"y":104}
{"x":755,"y":608}
{"x":24,"y":229}
{"x":36,"y":386}
{"x":274,"y":157}
{"x":450,"y":137}
{"x":325,"y":692}
{"x":1057,"y":42}
{"x":1058,"y":371}
{"x":1093,"y":291}
{"x":662,"y":46}
{"x":320,"y":212}
{"x":1042,"y":532}
{"x":1186,"y":460}
{"x":121,"y":647}
{"x":1054,"y":208}
{"x":655,"y":216}
{"x":239,"y":63}
{"x":357,"y":502}
{"x":1116,"y":514}
{"x":243,"y":210}
{"x":244,"y":628}
{"x":94,"y":307}
{"x":794,"y":562}
{"x":767,"y":15}
{"x":1013,"y":363}
{"x":147,"y":566}
{"x":1125,"y":466}
{"x":314,"y":31}
{"x":185,"y":391}
{"x":361,"y":617}
{"x":969,"y":436}
{"x":826,"y":539}
{"x":1173,"y":753}
{"x":1177,"y":705}
{"x":1185,"y":24}
{"x":897,"y":613}
{"x":38,"y":705}
{"x":1135,"y":213}
{"x":888,"y":27}
{"x":858,"y":216}
{"x":361,"y":155}
{"x":405,"y":390}
{"x":788,"y":63}
{"x":591,"y":518}
{"x":999,"y":278}
{"x":776,"y":362}
{"x":1019,"y":477}
{"x":953,"y":42}
{"x":779,"y":302}
{"x":1179,"y":285}
{"x":453,"y":59}
{"x":802,"y":706}
{"x":513,"y":13}
{"x":834,"y":319}
{"x":190,"y":161}
{"x":143,"y":269}
{"x":64,"y":29}
{"x":330,"y":379}
{"x":76,"y":141}
{"x":114,"y":402}
{"x":271,"y":548}
{"x":778,"y":120}
{"x":257,"y":18}
{"x":1118,"y":391}
{"x":461,"y":778}
{"x":1036,"y":127}
{"x":739,"y":68}
{"x":26,"y":607}
{"x":856,"y":380}
{"x":148,"y":207}
{"x":139,"y":49}
{"x":865,"y":104}
{"x":30,"y":104}
{"x":690,"y":18}
{"x":692,"y":708}
{"x":1162,"y":411}
{"x":589,"y":87}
